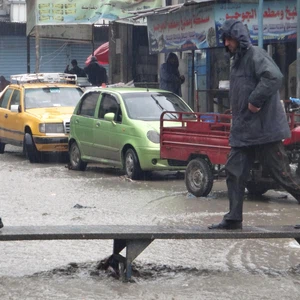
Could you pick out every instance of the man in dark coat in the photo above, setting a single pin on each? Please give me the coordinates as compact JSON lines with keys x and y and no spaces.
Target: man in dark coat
{"x":75,"y":69}
{"x":170,"y":79}
{"x":259,"y":123}
{"x":96,"y":73}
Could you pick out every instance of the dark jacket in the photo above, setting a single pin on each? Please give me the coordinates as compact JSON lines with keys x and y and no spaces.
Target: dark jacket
{"x":96,"y":73}
{"x":170,"y":79}
{"x":255,"y":79}
{"x":76,"y":70}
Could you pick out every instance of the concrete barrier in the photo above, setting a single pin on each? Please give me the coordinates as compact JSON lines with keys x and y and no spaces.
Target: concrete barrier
{"x":136,"y":238}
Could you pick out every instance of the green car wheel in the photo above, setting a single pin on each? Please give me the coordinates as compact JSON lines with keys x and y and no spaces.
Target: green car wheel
{"x":75,"y":158}
{"x":132,"y":165}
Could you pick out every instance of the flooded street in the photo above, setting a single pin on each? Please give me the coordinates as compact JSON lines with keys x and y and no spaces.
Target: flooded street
{"x":51,"y":194}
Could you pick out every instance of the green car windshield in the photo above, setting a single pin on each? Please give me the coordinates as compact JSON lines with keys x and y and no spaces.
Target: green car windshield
{"x":148,"y":106}
{"x":52,"y":97}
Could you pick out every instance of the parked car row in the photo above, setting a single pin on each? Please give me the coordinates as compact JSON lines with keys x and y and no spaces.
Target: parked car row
{"x":116,"y":126}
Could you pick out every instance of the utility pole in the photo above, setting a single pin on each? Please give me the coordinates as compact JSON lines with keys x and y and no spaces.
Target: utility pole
{"x":260,"y":24}
{"x":37,"y":49}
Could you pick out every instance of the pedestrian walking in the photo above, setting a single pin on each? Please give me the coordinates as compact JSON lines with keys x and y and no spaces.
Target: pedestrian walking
{"x":169,"y":76}
{"x":96,"y":73}
{"x":259,"y":123}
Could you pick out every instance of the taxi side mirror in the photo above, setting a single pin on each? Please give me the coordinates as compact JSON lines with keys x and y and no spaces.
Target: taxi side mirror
{"x":15,"y":108}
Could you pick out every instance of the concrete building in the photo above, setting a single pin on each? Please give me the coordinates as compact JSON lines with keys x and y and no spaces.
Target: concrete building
{"x":54,"y":54}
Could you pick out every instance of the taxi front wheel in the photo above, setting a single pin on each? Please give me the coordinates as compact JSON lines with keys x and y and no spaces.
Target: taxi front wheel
{"x":2,"y":147}
{"x":30,"y":150}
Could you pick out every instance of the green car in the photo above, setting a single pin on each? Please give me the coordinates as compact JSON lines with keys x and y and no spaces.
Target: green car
{"x":120,"y":126}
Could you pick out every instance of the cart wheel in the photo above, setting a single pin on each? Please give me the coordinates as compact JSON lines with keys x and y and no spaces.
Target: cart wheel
{"x":199,"y":177}
{"x":256,"y":188}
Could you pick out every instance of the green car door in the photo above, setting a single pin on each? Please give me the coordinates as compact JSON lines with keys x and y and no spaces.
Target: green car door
{"x":4,"y":100}
{"x":104,"y":129}
{"x":83,"y":122}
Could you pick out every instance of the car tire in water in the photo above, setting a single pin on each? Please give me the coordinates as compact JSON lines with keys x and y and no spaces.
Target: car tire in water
{"x":2,"y":147}
{"x":199,"y":177}
{"x":132,"y":165}
{"x":75,"y":158}
{"x":30,"y":150}
{"x":257,"y":188}
{"x":298,"y":169}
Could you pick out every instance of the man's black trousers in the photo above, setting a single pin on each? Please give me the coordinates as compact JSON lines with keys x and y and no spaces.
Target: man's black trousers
{"x":272,"y":157}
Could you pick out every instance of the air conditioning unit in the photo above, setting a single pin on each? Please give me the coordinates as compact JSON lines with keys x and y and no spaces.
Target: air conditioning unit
{"x":18,"y":12}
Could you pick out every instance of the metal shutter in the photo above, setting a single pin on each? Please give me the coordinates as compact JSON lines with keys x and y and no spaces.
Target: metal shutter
{"x":54,"y":55}
{"x":12,"y":55}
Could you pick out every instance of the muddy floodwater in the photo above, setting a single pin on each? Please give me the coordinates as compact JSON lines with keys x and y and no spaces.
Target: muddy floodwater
{"x":51,"y":194}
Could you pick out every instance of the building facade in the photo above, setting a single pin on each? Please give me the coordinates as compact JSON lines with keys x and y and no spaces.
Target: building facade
{"x":54,"y":54}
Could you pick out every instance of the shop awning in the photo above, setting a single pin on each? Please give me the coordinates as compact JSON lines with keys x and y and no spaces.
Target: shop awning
{"x":74,"y":20}
{"x":101,"y":53}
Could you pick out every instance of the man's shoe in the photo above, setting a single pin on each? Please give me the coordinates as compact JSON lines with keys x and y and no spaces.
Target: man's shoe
{"x":227,"y":225}
{"x":1,"y":224}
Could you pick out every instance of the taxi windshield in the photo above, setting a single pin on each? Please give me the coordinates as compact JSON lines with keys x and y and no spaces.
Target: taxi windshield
{"x":52,"y":97}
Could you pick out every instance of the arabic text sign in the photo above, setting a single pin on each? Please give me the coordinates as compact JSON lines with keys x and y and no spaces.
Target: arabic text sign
{"x":195,"y":28}
{"x":191,"y":28}
{"x":88,"y":11}
{"x":279,"y":18}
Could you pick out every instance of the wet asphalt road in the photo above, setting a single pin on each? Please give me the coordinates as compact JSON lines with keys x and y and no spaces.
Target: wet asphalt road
{"x":51,"y":194}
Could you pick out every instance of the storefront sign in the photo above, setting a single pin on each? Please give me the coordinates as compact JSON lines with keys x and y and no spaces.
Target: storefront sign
{"x":197,"y":27}
{"x":70,"y":12}
{"x":279,"y":19}
{"x":190,"y":28}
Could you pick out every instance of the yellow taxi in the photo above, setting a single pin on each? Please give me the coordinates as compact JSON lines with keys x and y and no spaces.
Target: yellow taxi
{"x":35,"y":112}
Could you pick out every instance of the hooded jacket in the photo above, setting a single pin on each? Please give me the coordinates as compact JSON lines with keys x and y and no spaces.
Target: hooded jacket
{"x":170,"y":79}
{"x":255,"y":79}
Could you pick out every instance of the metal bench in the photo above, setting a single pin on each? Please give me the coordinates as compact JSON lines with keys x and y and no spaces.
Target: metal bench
{"x":136,"y":238}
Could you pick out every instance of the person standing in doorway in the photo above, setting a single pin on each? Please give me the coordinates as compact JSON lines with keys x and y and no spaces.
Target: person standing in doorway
{"x":259,"y":123}
{"x":96,"y":73}
{"x":169,"y":76}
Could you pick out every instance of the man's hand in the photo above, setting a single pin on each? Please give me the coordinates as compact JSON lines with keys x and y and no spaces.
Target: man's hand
{"x":253,"y":108}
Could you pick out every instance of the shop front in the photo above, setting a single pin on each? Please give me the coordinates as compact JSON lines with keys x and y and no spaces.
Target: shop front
{"x":193,"y":32}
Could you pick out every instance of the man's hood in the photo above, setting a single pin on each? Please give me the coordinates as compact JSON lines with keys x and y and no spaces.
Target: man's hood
{"x":236,"y":30}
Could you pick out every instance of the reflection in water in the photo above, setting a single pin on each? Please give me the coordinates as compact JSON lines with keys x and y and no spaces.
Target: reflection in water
{"x":50,"y":194}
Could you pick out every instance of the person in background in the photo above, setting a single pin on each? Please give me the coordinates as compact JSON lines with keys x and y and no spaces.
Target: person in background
{"x":1,"y":224}
{"x":259,"y":124}
{"x":169,"y":76}
{"x":75,"y":69}
{"x":3,"y":83}
{"x":96,"y":73}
